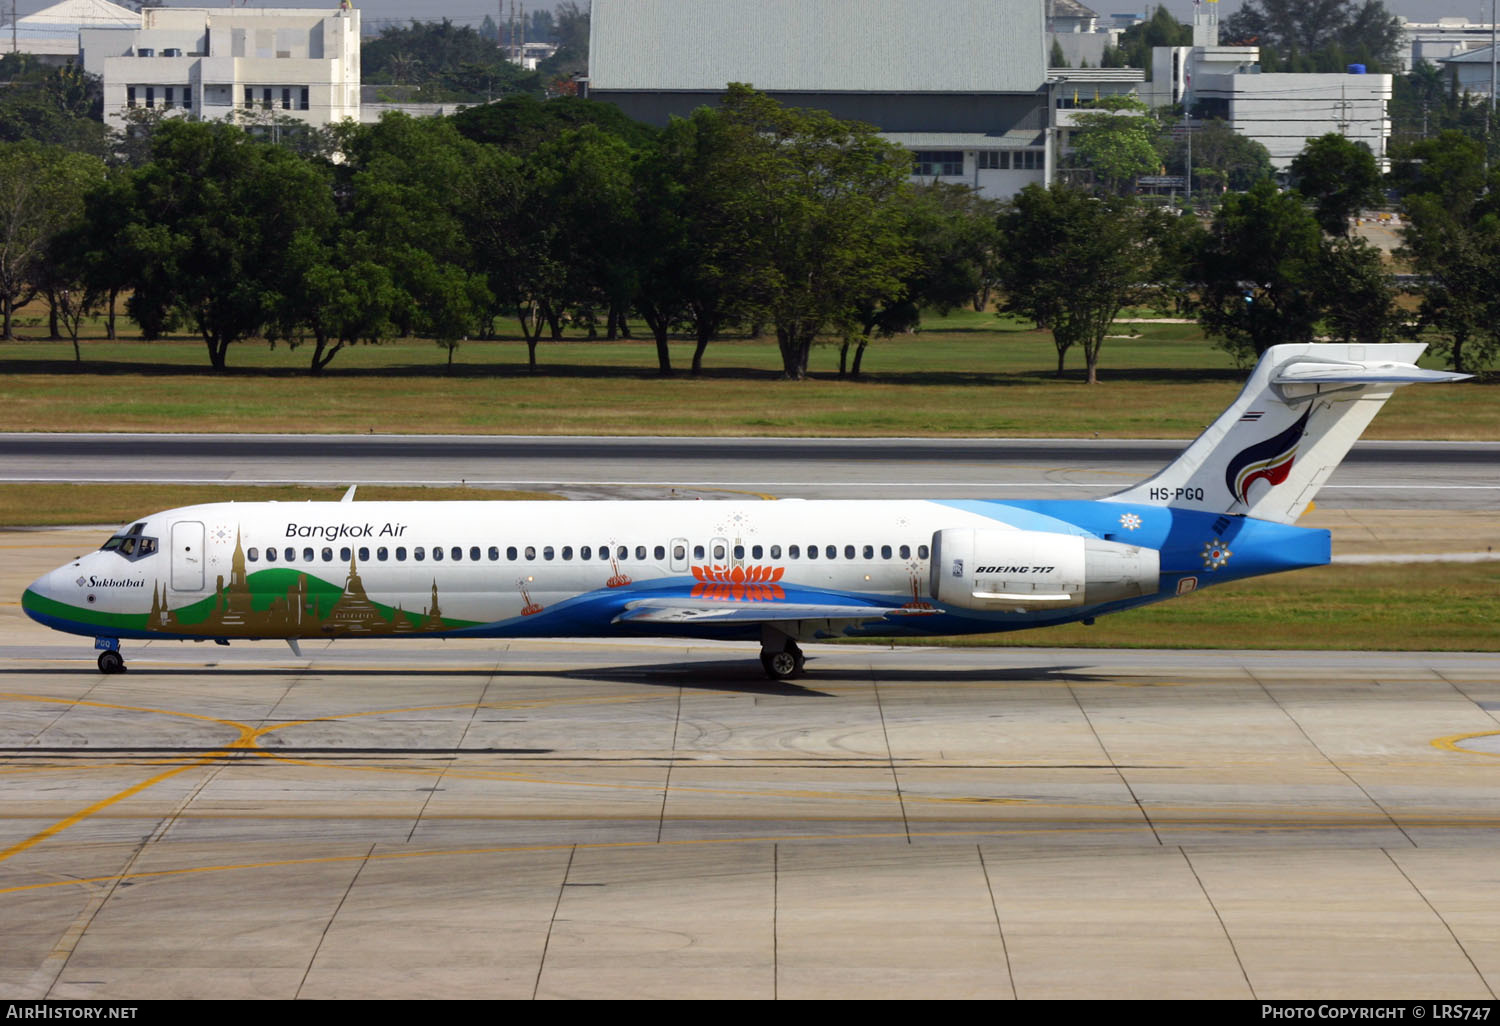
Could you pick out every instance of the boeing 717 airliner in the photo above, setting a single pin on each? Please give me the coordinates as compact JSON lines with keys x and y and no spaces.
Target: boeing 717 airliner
{"x":778,"y":572}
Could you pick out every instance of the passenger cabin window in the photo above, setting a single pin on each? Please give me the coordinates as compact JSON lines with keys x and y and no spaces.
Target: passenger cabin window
{"x":270,"y":555}
{"x":494,"y":554}
{"x":698,"y":552}
{"x":679,"y":552}
{"x":328,"y":555}
{"x":437,"y":553}
{"x":660,"y":552}
{"x":474,"y":553}
{"x":567,"y":552}
{"x":775,"y":551}
{"x":401,"y":553}
{"x":832,"y":552}
{"x":921,"y":551}
{"x":381,"y":553}
{"x":364,"y":554}
{"x":640,"y":552}
{"x":419,"y":553}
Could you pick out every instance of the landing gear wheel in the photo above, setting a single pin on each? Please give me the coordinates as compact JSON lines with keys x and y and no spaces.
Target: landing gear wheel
{"x":111,"y":661}
{"x":783,"y":665}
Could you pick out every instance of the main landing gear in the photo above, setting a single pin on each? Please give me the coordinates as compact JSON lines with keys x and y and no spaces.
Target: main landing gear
{"x":780,"y":656}
{"x":110,"y":659}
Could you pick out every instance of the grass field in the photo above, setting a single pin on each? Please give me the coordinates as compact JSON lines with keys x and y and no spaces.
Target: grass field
{"x":971,"y":374}
{"x":1447,"y":607}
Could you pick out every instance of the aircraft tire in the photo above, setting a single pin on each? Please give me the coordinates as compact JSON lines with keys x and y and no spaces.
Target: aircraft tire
{"x":783,"y":665}
{"x":111,"y":661}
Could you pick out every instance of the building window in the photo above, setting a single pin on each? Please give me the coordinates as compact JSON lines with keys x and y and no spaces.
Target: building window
{"x":989,"y":160}
{"x":265,"y":97}
{"x":303,"y":105}
{"x":286,"y":99}
{"x":938,"y":163}
{"x":130,"y":96}
{"x":151,"y":96}
{"x":187,"y":97}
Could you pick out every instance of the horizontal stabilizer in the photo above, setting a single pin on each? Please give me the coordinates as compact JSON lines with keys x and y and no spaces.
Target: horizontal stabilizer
{"x":1322,"y":372}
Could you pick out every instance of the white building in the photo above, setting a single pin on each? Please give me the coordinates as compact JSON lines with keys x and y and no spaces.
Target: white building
{"x":216,"y":62}
{"x":1280,"y":111}
{"x":1471,"y":70}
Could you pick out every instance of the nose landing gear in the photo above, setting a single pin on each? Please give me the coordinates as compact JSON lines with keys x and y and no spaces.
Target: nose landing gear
{"x":110,"y":659}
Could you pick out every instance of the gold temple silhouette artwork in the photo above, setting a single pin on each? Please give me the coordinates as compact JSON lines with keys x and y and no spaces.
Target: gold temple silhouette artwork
{"x":299,"y":611}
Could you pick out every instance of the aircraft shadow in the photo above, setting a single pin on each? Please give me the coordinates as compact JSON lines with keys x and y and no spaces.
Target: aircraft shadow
{"x":744,"y":678}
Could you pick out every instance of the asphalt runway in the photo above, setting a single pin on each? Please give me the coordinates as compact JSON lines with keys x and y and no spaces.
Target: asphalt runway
{"x":1376,"y":475}
{"x":562,"y":819}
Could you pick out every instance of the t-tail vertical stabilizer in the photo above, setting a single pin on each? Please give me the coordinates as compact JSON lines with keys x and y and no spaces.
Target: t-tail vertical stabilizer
{"x":1303,"y":408}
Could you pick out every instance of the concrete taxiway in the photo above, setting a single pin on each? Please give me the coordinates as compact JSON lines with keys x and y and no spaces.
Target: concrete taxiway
{"x":564,"y":819}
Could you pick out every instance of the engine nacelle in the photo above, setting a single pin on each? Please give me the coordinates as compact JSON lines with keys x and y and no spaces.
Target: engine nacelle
{"x":983,"y":568}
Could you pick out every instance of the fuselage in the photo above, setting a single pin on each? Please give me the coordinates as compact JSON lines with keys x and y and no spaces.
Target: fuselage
{"x":509,"y":569}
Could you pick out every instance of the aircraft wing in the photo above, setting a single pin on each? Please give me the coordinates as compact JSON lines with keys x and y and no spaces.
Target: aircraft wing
{"x":687,"y":610}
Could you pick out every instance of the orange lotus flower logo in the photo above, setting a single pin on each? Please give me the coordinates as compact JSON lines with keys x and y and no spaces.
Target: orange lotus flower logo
{"x":739,"y":584}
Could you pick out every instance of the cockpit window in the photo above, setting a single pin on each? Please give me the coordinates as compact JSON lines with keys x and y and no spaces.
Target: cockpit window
{"x":133,"y":544}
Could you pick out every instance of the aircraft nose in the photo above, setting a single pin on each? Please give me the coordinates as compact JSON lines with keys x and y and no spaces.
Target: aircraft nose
{"x":43,"y":595}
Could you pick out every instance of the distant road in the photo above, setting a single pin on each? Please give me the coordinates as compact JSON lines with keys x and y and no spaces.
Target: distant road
{"x":1386,"y":475}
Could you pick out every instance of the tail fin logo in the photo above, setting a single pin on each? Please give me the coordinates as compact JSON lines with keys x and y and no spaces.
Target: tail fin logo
{"x":1269,"y":461}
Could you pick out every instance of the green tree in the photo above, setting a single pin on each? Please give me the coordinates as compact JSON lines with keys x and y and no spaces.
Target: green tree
{"x":955,"y":240}
{"x":1222,"y":158}
{"x":1071,"y":260}
{"x":1116,"y":139}
{"x":513,"y":235}
{"x":1355,"y":292}
{"x":1452,"y":240}
{"x":56,"y":106}
{"x":1340,"y":177}
{"x":522,"y":123}
{"x":1258,"y":268}
{"x":42,"y":190}
{"x":819,"y":192}
{"x":1329,"y":33}
{"x":700,"y":260}
{"x":443,"y":61}
{"x":1161,"y":29}
{"x":211,"y":217}
{"x":571,"y":33}
{"x":414,"y":193}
